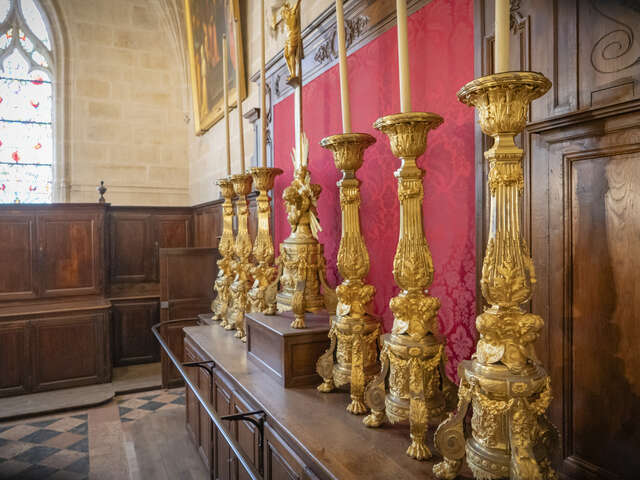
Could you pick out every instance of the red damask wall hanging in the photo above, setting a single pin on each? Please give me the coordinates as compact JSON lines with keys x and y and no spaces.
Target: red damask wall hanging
{"x":441,"y":55}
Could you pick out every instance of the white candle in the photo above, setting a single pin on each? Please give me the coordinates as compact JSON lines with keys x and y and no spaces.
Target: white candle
{"x":240,"y":120}
{"x":501,"y":40}
{"x":225,"y":94}
{"x":344,"y":82}
{"x":263,"y":90}
{"x":403,"y":56}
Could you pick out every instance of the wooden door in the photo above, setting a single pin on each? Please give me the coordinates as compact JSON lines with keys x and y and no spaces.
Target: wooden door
{"x":17,"y":266}
{"x":186,"y":290}
{"x":582,"y":218}
{"x":131,"y":246}
{"x":133,"y":341}
{"x":70,"y":254}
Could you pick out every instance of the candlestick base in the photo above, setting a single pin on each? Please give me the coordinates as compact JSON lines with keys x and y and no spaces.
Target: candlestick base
{"x":504,"y":383}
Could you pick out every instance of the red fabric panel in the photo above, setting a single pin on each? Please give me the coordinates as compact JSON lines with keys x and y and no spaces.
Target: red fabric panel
{"x":441,"y":54}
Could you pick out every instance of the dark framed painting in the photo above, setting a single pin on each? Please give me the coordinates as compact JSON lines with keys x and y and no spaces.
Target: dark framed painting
{"x":207,"y":21}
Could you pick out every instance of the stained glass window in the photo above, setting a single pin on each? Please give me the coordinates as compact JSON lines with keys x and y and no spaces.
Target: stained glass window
{"x":26,"y":103}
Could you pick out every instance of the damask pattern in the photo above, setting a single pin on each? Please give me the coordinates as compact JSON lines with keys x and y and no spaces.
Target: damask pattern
{"x":441,"y":54}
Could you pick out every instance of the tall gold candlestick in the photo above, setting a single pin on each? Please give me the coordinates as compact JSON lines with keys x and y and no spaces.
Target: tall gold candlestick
{"x":238,"y":92}
{"x":403,"y":57}
{"x":220,"y":305}
{"x":242,"y":281}
{"x":354,"y":332}
{"x":504,"y":382}
{"x":412,"y":354}
{"x":262,"y":295}
{"x":263,"y":92}
{"x":344,"y":81}
{"x":225,"y":95}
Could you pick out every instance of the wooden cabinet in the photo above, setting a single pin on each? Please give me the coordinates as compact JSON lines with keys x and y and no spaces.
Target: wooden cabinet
{"x":18,"y":279}
{"x":14,"y":358}
{"x":133,"y":341}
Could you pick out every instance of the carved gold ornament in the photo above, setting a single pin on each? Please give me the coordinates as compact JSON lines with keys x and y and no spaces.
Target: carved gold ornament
{"x":504,"y":383}
{"x":412,"y":357}
{"x":354,"y":332}
{"x":221,"y":302}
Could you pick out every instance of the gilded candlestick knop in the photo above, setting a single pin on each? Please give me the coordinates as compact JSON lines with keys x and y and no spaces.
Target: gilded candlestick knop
{"x":226,"y":247}
{"x":354,"y":332}
{"x":413,"y":354}
{"x":504,"y":383}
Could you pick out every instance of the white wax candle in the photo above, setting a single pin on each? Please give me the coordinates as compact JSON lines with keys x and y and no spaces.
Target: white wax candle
{"x":403,"y":56}
{"x":225,"y":94}
{"x":263,"y":90}
{"x":501,"y":40}
{"x":344,"y":82}
{"x":240,"y":119}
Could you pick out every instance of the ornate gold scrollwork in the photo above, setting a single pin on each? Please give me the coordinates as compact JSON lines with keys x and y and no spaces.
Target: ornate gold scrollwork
{"x":504,"y":383}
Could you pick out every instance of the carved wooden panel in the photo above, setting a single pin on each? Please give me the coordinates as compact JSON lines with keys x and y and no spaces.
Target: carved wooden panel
{"x":133,"y":341}
{"x":18,"y":278}
{"x":208,"y":225}
{"x":68,"y":351}
{"x":590,"y":296}
{"x":70,"y":248}
{"x":131,"y":247}
{"x":14,"y":358}
{"x":223,"y":457}
{"x":173,"y":231}
{"x":246,"y":434}
{"x":281,"y":463}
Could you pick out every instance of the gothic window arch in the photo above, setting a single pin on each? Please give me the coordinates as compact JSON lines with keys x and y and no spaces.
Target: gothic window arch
{"x":26,"y":103}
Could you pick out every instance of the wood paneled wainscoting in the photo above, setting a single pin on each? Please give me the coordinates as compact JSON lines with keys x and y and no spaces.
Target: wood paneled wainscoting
{"x":80,"y":287}
{"x":582,"y":218}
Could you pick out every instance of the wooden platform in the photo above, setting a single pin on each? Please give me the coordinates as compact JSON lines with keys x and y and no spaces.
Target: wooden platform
{"x":288,"y":354}
{"x":315,"y":427}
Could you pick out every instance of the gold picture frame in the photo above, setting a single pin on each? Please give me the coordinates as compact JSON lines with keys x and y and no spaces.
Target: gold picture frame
{"x":207,"y":21}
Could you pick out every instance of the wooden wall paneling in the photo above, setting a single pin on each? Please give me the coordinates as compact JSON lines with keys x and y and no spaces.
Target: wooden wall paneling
{"x":593,"y":174}
{"x":133,"y":341}
{"x":70,"y":253}
{"x":15,"y":375}
{"x":208,"y":224}
{"x":19,"y":270}
{"x":69,"y":350}
{"x":131,"y":247}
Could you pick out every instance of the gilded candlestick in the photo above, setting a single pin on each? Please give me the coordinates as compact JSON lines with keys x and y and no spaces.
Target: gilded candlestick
{"x":354,"y":332}
{"x":242,"y":281}
{"x":262,"y":295}
{"x":504,"y":382}
{"x":412,"y":353}
{"x":220,"y":305}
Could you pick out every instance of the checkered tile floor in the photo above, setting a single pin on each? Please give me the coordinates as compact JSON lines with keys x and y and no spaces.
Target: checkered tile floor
{"x":55,"y":448}
{"x":134,"y":406}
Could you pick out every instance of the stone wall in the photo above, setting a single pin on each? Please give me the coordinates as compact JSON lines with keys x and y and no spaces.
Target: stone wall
{"x":127,"y":102}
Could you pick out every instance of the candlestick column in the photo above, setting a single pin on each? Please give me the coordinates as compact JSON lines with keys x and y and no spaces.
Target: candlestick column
{"x":220,"y":305}
{"x":504,"y":382}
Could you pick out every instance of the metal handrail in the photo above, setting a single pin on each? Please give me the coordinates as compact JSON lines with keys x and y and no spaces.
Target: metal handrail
{"x":248,"y":466}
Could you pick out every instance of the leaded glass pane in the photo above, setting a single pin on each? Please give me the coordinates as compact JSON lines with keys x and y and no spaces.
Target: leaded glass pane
{"x":26,"y":107}
{"x":35,"y":21}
